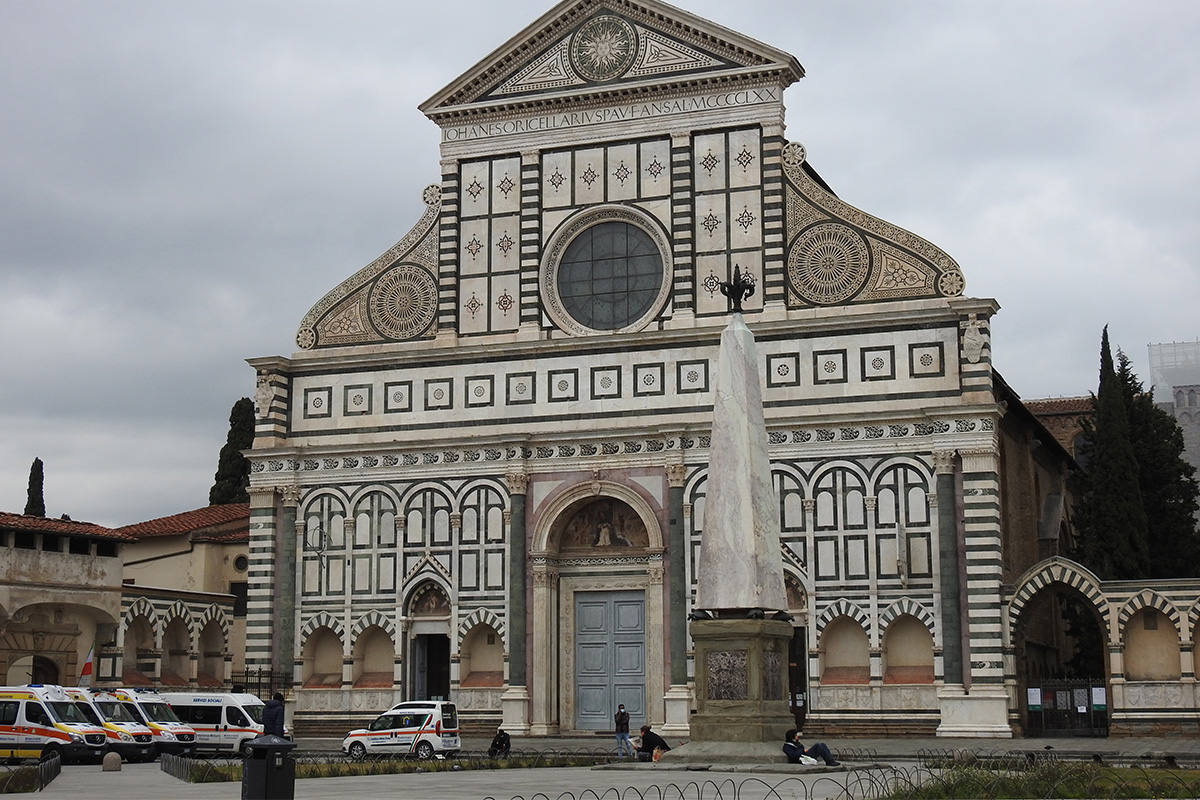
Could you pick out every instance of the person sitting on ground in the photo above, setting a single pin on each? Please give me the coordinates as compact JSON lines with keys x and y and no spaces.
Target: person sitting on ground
{"x":797,"y":754}
{"x":651,"y":741}
{"x":501,"y":744}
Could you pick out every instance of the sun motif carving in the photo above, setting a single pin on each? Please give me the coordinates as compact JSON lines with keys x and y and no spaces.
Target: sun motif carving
{"x":403,"y":302}
{"x":306,"y":338}
{"x":794,"y":154}
{"x":828,"y":264}
{"x":603,"y":48}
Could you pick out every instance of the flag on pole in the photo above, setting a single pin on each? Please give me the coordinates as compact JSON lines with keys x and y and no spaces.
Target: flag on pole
{"x":85,"y":674}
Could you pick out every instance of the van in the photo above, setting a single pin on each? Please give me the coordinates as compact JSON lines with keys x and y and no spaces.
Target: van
{"x":423,"y":728}
{"x":39,"y":721}
{"x":127,"y":737}
{"x":147,"y":707}
{"x":223,"y":722}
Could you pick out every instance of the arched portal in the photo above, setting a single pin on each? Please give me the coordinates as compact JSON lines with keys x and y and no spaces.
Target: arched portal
{"x":429,"y":642}
{"x":599,"y":632}
{"x":1061,"y":662}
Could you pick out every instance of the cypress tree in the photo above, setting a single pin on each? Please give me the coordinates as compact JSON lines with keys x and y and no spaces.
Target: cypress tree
{"x":1113,"y":538}
{"x":1167,"y":481}
{"x":35,"y":505}
{"x":233,"y":469}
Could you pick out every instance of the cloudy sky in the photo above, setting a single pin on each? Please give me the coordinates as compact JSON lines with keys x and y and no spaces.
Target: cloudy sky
{"x":180,"y":182}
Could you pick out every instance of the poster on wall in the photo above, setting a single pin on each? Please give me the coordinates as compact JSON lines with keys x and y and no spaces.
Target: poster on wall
{"x":1099,"y":698}
{"x":1033,"y":699}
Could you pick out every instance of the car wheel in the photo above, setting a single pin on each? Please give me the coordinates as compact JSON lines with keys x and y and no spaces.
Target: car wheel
{"x":424,"y":751}
{"x":358,"y":751}
{"x":51,"y":751}
{"x":244,"y":748}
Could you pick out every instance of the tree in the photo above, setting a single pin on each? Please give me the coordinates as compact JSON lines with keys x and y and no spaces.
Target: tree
{"x":1167,"y":481}
{"x":1111,"y":517}
{"x":35,"y":505}
{"x":233,"y":469}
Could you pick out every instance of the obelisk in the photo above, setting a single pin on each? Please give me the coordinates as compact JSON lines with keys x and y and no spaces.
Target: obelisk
{"x":739,"y":627}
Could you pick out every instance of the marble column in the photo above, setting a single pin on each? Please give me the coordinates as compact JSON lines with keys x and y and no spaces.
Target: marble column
{"x":678,"y":699}
{"x":514,"y":702}
{"x":285,"y":582}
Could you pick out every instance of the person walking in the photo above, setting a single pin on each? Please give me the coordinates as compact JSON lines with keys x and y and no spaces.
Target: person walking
{"x":624,"y":745}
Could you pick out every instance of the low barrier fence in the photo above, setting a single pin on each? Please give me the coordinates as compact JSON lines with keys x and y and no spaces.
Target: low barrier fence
{"x":29,"y":777}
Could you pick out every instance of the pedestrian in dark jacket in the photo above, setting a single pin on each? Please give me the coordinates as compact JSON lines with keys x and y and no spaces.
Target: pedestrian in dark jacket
{"x":796,"y":753}
{"x":273,"y":716}
{"x":650,"y":742}
{"x":621,"y":720}
{"x":501,"y":744}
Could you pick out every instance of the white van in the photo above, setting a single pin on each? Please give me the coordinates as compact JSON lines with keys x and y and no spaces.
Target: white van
{"x":423,"y":728}
{"x":127,"y":737}
{"x":148,"y":707}
{"x":223,"y":722}
{"x":39,"y":721}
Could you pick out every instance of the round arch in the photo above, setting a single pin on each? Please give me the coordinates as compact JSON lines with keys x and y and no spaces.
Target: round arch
{"x":579,"y":494}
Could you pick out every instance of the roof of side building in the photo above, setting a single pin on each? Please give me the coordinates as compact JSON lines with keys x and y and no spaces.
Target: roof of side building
{"x":213,"y":523}
{"x":1060,"y":405}
{"x":61,"y":527}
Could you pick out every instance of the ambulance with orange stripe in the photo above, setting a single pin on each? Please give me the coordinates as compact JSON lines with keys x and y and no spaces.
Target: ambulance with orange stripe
{"x":421,"y":728}
{"x":127,"y":737}
{"x":38,"y":721}
{"x":223,"y":722}
{"x":148,"y":707}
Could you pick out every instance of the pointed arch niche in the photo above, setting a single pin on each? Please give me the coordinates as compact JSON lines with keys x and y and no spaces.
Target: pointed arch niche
{"x":592,"y":539}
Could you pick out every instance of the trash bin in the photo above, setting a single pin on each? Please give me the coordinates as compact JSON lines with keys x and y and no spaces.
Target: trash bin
{"x":268,"y":771}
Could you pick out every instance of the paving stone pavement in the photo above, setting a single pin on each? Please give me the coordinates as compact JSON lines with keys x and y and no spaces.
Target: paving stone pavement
{"x":148,"y":782}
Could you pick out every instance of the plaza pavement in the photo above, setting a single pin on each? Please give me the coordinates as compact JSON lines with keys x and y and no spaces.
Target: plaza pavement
{"x":148,"y":782}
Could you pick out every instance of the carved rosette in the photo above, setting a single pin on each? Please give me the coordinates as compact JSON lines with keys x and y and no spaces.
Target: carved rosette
{"x":403,"y":302}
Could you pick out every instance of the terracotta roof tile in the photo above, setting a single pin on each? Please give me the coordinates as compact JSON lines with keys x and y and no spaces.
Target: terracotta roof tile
{"x":64,"y":527}
{"x":189,"y":521}
{"x":1060,"y":405}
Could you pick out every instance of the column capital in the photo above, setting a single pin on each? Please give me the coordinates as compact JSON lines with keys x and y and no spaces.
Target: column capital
{"x":261,"y":493}
{"x":943,"y":461}
{"x":681,"y":139}
{"x":290,"y":495}
{"x":531,"y":156}
{"x":676,"y":474}
{"x":518,"y":482}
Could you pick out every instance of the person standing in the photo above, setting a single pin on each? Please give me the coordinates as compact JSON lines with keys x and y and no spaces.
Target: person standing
{"x":624,"y":745}
{"x":273,"y":716}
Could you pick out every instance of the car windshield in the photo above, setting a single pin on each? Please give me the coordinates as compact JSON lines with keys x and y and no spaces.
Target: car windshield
{"x":89,"y":712}
{"x":68,"y":712}
{"x":114,"y":711}
{"x":158,"y":712}
{"x":255,"y":713}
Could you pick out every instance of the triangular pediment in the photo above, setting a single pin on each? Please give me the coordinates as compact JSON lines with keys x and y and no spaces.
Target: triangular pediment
{"x":589,"y":47}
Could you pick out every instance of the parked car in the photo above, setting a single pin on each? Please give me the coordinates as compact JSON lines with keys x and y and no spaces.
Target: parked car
{"x":421,"y":728}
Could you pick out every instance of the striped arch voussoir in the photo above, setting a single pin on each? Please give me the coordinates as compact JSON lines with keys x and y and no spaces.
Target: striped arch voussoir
{"x":843,"y":608}
{"x":480,"y":616}
{"x":1057,"y":570}
{"x":178,"y":610}
{"x":908,"y":606}
{"x":1148,"y":598}
{"x":214,"y":612}
{"x":373,"y":617}
{"x":322,"y":620}
{"x":141,"y":608}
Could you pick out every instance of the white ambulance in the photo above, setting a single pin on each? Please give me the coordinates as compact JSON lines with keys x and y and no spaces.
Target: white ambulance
{"x":223,"y":722}
{"x":127,"y":737}
{"x":421,"y":728}
{"x":39,"y":721}
{"x":148,"y":707}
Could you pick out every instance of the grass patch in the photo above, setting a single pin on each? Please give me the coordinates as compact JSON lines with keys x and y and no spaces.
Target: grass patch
{"x":200,"y":771}
{"x":1055,"y":780}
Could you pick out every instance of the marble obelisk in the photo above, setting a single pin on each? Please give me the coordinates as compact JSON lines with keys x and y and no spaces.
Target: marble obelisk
{"x":740,"y":566}
{"x":740,"y":627}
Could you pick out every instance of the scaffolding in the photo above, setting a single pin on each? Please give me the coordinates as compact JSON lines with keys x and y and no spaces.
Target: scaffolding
{"x":1174,"y":364}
